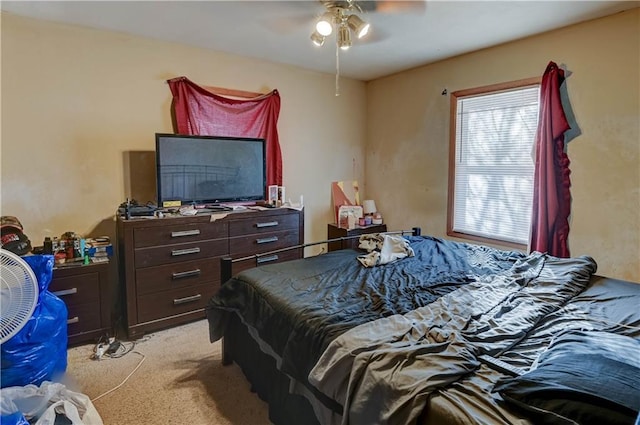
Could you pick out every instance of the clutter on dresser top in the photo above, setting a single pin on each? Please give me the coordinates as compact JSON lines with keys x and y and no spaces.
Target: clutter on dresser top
{"x":72,"y":249}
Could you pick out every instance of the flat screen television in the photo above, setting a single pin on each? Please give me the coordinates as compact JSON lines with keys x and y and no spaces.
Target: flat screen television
{"x":209,"y":170}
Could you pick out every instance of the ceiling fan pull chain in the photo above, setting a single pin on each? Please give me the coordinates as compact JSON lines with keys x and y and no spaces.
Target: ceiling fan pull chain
{"x":337,"y":70}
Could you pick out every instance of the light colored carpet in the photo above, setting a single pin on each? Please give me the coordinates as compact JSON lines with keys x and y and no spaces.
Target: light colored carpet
{"x":181,"y":381}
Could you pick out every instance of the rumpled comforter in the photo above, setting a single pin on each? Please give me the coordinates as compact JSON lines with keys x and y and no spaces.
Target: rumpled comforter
{"x":384,"y":371}
{"x":297,"y":308}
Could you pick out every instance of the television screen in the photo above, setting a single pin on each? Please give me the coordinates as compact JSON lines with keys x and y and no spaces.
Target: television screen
{"x":209,"y":170}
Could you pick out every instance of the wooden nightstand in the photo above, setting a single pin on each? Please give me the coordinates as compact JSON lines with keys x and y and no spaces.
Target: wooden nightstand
{"x":85,"y":291}
{"x":333,"y":232}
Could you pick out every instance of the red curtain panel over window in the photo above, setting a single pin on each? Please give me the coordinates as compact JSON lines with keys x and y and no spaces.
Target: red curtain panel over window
{"x":551,"y":185}
{"x":200,"y":112}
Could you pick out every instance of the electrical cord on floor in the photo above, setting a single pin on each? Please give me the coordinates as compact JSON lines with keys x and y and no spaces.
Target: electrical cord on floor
{"x":118,"y":349}
{"x":125,"y":379}
{"x":113,"y":348}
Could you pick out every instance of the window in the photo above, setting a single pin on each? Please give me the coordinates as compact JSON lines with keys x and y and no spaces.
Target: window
{"x":491,"y":162}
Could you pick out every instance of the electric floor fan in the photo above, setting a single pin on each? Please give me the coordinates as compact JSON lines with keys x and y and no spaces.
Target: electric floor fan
{"x":18,"y":294}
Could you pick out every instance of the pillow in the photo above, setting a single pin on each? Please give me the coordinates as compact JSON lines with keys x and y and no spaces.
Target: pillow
{"x":583,"y":378}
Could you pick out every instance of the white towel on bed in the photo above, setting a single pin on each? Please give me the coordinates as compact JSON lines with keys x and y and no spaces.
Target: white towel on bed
{"x":383,"y":249}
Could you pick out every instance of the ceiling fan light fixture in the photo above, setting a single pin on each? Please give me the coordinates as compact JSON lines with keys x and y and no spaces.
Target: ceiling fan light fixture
{"x":358,"y":26}
{"x":317,"y":38}
{"x":344,"y":37}
{"x":324,"y":26}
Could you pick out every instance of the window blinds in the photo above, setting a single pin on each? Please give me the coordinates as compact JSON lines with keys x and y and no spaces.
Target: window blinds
{"x":494,"y":164}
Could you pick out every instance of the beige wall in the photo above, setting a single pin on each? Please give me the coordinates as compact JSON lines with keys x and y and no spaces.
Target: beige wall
{"x":408,"y":137}
{"x":80,"y":108}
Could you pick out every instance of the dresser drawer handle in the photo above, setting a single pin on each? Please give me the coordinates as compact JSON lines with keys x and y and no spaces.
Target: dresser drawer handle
{"x":267,"y":240}
{"x":267,"y":259}
{"x":267,"y":224}
{"x":189,"y":273}
{"x":187,"y":251}
{"x":185,"y":300}
{"x":73,"y":320}
{"x":185,"y":233}
{"x":64,"y":292}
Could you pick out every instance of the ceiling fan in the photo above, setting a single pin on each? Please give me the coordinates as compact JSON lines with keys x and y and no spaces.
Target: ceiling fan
{"x":342,"y":17}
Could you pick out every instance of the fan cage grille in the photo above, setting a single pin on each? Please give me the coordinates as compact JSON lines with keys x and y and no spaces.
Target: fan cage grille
{"x":18,"y":294}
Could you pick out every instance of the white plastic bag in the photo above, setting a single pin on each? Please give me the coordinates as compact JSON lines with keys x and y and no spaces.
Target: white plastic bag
{"x":42,"y":403}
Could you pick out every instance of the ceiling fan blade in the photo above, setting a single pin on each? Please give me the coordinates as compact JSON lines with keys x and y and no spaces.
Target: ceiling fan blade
{"x":289,"y":24}
{"x":375,"y":36}
{"x":391,"y":6}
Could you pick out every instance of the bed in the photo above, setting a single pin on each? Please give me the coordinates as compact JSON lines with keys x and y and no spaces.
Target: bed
{"x":448,"y":333}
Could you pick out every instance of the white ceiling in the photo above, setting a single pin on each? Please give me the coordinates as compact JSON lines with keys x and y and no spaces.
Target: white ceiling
{"x":279,"y":30}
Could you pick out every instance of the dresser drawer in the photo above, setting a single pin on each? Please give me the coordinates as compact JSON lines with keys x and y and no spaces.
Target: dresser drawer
{"x":83,"y":318}
{"x":77,"y":289}
{"x":180,"y":233}
{"x":163,"y":304}
{"x":84,"y":288}
{"x":257,"y":225}
{"x":153,"y":256}
{"x":178,"y":275}
{"x":259,"y":243}
{"x":292,"y":254}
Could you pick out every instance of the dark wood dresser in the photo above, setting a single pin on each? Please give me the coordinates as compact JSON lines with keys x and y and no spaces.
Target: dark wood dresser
{"x":170,"y":267}
{"x":85,"y":291}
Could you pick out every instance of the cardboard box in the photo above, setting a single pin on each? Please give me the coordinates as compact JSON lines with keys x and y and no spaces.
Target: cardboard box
{"x":101,"y":251}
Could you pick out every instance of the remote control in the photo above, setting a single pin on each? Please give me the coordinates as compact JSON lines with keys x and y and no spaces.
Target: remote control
{"x":501,"y":366}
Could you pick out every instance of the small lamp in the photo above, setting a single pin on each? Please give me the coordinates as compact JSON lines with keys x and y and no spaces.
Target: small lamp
{"x":369,"y":206}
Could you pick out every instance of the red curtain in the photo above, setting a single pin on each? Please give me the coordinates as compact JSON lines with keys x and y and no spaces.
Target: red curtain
{"x":551,"y":196}
{"x":200,"y":112}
